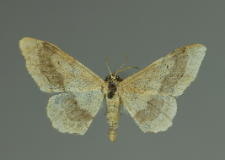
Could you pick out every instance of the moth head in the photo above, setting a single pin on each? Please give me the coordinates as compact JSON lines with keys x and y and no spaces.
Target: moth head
{"x":113,"y":76}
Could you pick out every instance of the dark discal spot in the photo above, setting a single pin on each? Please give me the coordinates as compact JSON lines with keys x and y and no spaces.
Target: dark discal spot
{"x":76,"y":114}
{"x":176,"y":72}
{"x":151,"y":112}
{"x":46,"y":66}
{"x":112,"y":88}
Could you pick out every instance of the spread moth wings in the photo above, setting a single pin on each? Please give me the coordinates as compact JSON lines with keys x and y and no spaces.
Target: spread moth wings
{"x":148,"y":94}
{"x":55,"y":71}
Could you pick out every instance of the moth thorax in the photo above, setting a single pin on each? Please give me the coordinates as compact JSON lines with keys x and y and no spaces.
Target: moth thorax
{"x":112,"y":135}
{"x":112,"y":88}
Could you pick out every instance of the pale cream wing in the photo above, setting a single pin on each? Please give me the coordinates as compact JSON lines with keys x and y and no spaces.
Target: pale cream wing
{"x":73,"y":113}
{"x":152,"y":113}
{"x":55,"y":71}
{"x":170,"y":75}
{"x":147,"y":95}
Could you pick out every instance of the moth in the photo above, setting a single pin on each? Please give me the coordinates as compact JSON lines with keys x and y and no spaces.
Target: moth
{"x":148,"y":95}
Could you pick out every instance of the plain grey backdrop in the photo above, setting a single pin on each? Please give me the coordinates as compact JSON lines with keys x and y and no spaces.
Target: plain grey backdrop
{"x":90,"y":30}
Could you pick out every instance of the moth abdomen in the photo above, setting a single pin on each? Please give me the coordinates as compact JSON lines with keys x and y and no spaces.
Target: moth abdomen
{"x":112,"y":135}
{"x":112,"y":117}
{"x":114,"y":102}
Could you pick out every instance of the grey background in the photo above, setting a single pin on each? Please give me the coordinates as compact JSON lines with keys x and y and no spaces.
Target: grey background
{"x":90,"y":30}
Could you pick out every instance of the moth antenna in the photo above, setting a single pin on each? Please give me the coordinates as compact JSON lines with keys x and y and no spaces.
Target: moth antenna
{"x":123,"y":64}
{"x":108,"y":65}
{"x":126,"y":69}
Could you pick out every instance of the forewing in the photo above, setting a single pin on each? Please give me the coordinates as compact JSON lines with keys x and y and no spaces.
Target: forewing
{"x":152,"y":113}
{"x":55,"y":71}
{"x":73,"y":114}
{"x":168,"y":76}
